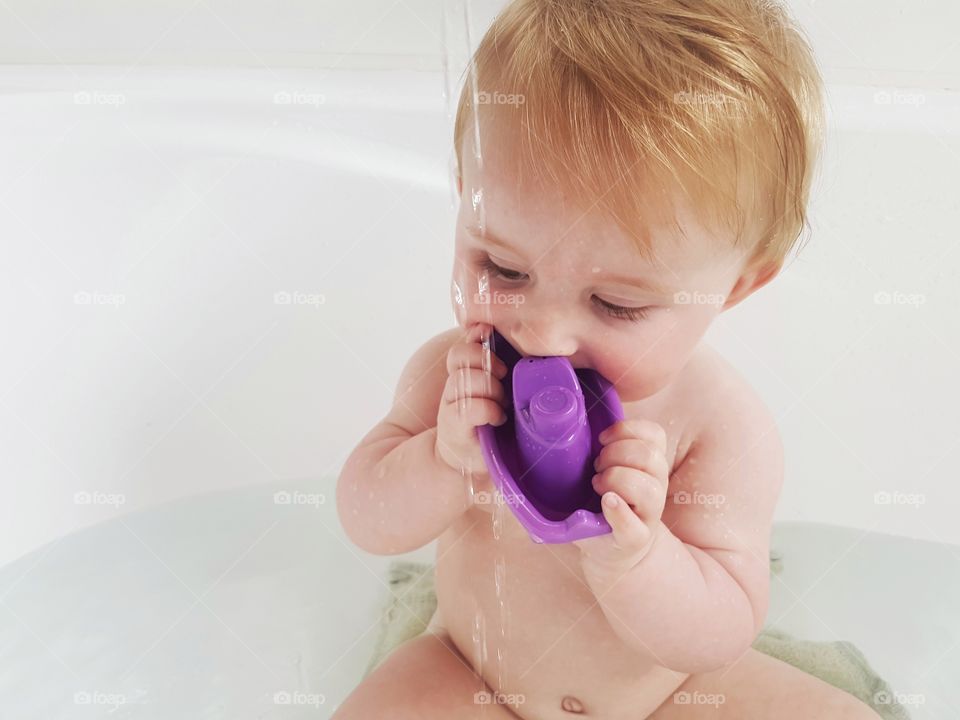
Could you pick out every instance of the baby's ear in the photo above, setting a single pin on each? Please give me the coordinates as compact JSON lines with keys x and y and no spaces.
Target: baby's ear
{"x":752,"y":280}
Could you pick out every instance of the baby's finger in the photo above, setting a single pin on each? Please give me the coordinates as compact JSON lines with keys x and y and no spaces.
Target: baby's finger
{"x":644,"y":494}
{"x":477,"y":411}
{"x":630,"y":533}
{"x":635,"y":454}
{"x":462,"y":385}
{"x":477,"y":332}
{"x":464,"y":355}
{"x":639,"y":429}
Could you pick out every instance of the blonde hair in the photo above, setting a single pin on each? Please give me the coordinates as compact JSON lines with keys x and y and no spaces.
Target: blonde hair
{"x":719,"y":98}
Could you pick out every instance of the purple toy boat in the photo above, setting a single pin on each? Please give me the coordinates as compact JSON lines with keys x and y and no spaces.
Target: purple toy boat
{"x":541,"y":458}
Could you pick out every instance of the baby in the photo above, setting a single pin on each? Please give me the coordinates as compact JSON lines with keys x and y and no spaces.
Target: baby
{"x":628,"y":170}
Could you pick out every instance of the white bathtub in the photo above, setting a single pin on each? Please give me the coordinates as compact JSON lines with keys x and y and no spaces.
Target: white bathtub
{"x":149,"y":224}
{"x":231,"y":603}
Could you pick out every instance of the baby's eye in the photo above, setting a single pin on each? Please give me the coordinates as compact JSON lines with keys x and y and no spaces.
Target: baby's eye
{"x":618,"y":311}
{"x":490,"y":266}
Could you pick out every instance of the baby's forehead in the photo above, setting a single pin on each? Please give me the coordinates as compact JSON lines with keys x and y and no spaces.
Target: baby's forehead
{"x":527,"y":210}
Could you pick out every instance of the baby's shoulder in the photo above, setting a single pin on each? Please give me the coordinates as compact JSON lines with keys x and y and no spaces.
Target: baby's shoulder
{"x":719,"y":398}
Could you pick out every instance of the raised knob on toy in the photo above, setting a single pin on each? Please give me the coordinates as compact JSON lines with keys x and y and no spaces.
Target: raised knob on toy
{"x":552,"y":433}
{"x":553,"y":412}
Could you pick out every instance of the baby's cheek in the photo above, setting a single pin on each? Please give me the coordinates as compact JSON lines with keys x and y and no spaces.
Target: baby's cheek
{"x":639,"y":371}
{"x":639,"y":381}
{"x":469,"y":310}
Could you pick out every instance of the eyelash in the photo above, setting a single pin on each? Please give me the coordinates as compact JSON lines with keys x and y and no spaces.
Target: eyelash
{"x":617,"y":311}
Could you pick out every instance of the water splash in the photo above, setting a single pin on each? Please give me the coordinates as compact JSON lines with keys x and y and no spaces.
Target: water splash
{"x":457,"y":22}
{"x":479,"y":636}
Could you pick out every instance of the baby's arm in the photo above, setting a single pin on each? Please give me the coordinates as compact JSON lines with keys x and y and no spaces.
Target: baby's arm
{"x":402,"y":485}
{"x":698,"y":598}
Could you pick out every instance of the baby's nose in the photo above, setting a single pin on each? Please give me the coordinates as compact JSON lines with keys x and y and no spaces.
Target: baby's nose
{"x":544,"y":339}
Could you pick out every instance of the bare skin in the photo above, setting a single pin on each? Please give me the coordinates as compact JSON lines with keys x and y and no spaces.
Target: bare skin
{"x":543,"y":646}
{"x":556,"y":654}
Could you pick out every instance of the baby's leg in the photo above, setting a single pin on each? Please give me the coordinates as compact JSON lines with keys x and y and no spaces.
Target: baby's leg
{"x":423,"y":679}
{"x":757,"y":687}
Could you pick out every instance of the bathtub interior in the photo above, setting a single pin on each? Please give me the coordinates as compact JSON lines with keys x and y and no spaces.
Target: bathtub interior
{"x":196,"y":202}
{"x":229,"y":604}
{"x":218,"y":603}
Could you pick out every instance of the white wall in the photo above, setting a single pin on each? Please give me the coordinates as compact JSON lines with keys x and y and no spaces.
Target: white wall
{"x":859,"y":41}
{"x":200,"y":197}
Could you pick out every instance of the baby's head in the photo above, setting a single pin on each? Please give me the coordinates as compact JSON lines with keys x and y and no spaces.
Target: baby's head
{"x":628,"y":170}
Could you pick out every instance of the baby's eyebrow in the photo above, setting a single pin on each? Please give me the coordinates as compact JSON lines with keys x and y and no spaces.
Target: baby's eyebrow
{"x":644,"y":284}
{"x":492,"y":238}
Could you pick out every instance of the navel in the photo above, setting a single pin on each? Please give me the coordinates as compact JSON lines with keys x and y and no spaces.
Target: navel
{"x":571,"y":704}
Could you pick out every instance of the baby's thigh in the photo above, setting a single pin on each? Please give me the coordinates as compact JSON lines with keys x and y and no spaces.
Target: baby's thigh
{"x":424,"y":678}
{"x":760,"y":686}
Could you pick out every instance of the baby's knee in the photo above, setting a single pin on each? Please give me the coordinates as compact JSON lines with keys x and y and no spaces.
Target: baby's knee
{"x":422,"y":679}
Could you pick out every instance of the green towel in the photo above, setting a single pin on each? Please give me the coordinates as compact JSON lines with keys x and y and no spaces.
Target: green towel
{"x":411,"y":602}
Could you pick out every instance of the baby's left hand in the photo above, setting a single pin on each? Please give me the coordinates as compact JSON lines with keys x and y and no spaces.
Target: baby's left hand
{"x":632,"y":477}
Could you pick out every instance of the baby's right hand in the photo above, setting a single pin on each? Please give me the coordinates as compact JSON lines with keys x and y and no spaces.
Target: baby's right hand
{"x":471,"y":397}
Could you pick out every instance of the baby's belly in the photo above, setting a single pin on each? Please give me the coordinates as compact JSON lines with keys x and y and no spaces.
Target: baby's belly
{"x":541,"y":639}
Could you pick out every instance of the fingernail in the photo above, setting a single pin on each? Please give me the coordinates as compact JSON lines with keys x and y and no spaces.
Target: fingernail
{"x":610,"y":500}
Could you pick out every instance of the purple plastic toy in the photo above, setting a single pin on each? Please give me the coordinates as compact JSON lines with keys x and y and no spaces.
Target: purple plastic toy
{"x":541,"y":458}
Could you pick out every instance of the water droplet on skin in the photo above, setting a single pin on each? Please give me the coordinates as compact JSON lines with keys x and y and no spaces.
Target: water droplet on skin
{"x":476,"y":198}
{"x":595,"y":269}
{"x":483,"y":285}
{"x":381,"y":505}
